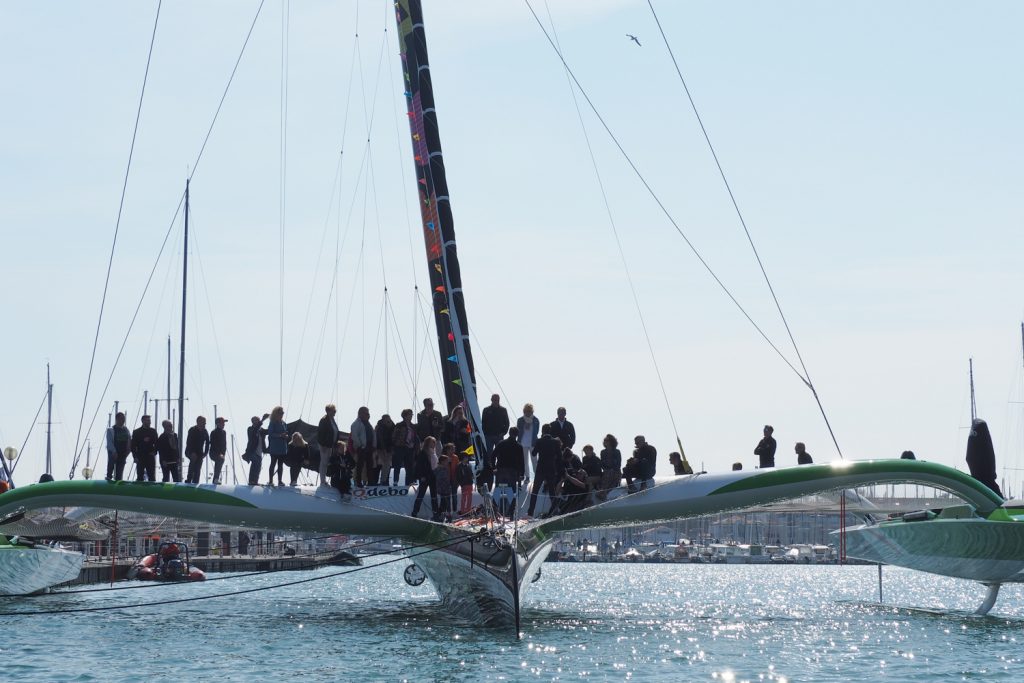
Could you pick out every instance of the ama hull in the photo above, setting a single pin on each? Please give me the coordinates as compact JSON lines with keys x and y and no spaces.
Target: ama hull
{"x":976,"y":549}
{"x":24,"y":571}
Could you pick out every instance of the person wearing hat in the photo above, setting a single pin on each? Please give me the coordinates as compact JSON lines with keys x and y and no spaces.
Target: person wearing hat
{"x":765,"y":450}
{"x":144,"y":449}
{"x":218,"y":447}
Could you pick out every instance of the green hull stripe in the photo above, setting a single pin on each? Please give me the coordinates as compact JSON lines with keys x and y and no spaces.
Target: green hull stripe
{"x":181,"y":493}
{"x":808,"y":473}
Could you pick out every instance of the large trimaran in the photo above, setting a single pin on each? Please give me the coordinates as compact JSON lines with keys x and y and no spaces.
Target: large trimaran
{"x":481,"y":569}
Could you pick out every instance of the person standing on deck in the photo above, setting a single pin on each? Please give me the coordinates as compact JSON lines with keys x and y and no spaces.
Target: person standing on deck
{"x":363,"y":441}
{"x":119,"y":445}
{"x":549,"y":455}
{"x":765,"y":450}
{"x":255,"y":446}
{"x":218,"y":447}
{"x":383,"y":432}
{"x":457,"y":430}
{"x":802,"y":456}
{"x":326,"y":439}
{"x":563,"y":430}
{"x":404,"y":443}
{"x":167,"y":447}
{"x":429,"y":422}
{"x":144,"y":448}
{"x":529,"y":429}
{"x":509,"y":471}
{"x":426,"y":461}
{"x":611,"y":465}
{"x":647,"y":461}
{"x":495,"y":423}
{"x":197,"y":447}
{"x":277,"y":438}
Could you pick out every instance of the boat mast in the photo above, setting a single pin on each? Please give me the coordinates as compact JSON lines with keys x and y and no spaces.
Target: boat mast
{"x":974,"y":408}
{"x":181,"y":364}
{"x":49,"y":420}
{"x":438,"y":227}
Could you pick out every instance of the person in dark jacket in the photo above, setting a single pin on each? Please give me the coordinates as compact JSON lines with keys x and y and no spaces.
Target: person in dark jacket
{"x":384,"y":431}
{"x":510,"y":469}
{"x":298,"y":451}
{"x":443,"y":483}
{"x":255,"y":447}
{"x":549,"y":451}
{"x":429,"y":422}
{"x":197,"y":447}
{"x":364,"y":440}
{"x":403,"y":447}
{"x":611,"y":465}
{"x":908,"y":455}
{"x":563,"y":430}
{"x":326,"y":439}
{"x":981,"y":455}
{"x":646,"y":461}
{"x":218,"y":447}
{"x":144,"y":449}
{"x":167,"y":447}
{"x":765,"y":450}
{"x":676,"y":460}
{"x":508,"y":459}
{"x":118,"y":455}
{"x":802,"y":456}
{"x":495,"y":423}
{"x":592,"y":465}
{"x":424,"y":472}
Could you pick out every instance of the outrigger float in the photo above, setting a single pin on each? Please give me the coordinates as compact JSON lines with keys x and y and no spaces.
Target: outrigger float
{"x":481,"y":568}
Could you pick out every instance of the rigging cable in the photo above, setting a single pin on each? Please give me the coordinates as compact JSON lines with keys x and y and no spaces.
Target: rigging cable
{"x":618,"y":241}
{"x":31,"y":427}
{"x":259,"y":589}
{"x":163,"y":245}
{"x":739,"y":214}
{"x":657,"y":200}
{"x":117,"y":227}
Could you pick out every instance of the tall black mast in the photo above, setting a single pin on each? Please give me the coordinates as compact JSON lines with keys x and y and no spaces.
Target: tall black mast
{"x":181,"y":363}
{"x":438,"y":226}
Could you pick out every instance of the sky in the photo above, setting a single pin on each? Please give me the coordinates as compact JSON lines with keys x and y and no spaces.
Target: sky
{"x":873,"y":149}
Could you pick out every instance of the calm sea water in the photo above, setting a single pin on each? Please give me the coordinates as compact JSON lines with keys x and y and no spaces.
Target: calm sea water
{"x":593,"y":622}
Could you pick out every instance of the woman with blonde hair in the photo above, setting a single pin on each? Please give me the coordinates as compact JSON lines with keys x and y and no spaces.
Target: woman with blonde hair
{"x":298,"y":449}
{"x":529,"y":431}
{"x":277,"y":439}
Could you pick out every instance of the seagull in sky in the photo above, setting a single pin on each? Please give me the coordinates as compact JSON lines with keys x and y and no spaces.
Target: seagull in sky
{"x":634,"y":39}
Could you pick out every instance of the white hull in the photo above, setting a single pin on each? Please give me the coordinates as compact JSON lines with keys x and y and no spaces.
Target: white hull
{"x":24,"y":571}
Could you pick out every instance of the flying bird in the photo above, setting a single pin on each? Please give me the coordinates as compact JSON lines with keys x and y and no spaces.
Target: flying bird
{"x":634,"y":39}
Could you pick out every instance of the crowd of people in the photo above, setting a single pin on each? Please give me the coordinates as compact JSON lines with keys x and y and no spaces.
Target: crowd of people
{"x":428,"y":449}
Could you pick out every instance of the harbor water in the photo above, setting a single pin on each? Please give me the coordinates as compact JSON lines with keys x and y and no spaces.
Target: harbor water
{"x":664,"y":622}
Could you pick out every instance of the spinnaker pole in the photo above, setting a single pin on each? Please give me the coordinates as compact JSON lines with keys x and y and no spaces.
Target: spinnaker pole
{"x":438,"y":226}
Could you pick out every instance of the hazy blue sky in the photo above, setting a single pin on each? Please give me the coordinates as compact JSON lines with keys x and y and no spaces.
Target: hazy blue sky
{"x":874,"y":148}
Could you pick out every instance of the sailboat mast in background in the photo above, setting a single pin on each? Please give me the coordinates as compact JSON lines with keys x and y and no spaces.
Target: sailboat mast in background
{"x":181,"y":364}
